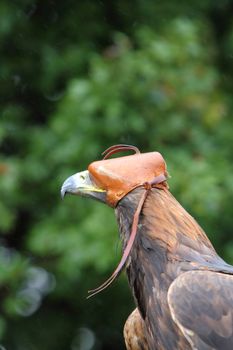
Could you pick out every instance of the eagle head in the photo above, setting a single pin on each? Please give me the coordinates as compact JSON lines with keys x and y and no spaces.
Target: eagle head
{"x":109,"y":180}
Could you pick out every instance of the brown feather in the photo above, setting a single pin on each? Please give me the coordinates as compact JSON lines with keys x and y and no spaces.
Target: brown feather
{"x":135,"y":332}
{"x":169,"y":242}
{"x":205,"y":311}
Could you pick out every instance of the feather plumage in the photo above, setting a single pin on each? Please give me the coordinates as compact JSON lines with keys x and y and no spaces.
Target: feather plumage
{"x":169,"y":243}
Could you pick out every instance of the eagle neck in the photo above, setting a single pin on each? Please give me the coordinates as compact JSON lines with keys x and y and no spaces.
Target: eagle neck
{"x":166,"y":225}
{"x":149,"y":272}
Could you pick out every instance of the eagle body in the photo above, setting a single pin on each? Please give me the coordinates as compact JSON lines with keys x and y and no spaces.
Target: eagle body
{"x":182,"y":289}
{"x":169,"y":244}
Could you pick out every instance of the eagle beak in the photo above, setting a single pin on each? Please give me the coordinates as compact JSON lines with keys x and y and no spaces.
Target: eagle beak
{"x":81,"y":184}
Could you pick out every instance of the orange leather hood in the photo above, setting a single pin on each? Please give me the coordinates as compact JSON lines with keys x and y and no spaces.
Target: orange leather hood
{"x":119,"y":176}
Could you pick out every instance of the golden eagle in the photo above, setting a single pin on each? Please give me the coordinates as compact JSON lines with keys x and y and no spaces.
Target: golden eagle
{"x":182,"y":289}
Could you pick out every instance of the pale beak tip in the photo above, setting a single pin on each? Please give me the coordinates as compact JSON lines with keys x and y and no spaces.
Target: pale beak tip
{"x":63,"y":193}
{"x":67,"y":186}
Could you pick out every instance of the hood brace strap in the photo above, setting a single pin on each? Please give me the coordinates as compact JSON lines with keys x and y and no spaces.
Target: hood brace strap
{"x":147,"y":186}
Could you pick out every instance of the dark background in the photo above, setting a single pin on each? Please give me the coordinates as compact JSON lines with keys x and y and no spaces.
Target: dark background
{"x":75,"y":78}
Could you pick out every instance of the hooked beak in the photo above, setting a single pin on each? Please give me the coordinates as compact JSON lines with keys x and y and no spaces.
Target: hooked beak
{"x":81,"y":184}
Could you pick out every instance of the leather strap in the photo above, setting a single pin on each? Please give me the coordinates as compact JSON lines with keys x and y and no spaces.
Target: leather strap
{"x":148,"y":186}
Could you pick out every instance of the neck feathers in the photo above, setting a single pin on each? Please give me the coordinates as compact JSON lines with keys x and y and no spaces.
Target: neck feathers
{"x":166,"y":223}
{"x":168,"y":242}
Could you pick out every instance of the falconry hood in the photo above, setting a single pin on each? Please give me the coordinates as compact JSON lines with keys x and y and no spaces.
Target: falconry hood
{"x":119,"y":176}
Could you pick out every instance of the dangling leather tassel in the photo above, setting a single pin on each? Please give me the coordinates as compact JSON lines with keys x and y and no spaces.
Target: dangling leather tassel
{"x":127,"y":250}
{"x":115,"y":274}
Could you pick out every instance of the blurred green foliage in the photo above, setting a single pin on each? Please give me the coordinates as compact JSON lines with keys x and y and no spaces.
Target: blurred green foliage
{"x":77,"y":77}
